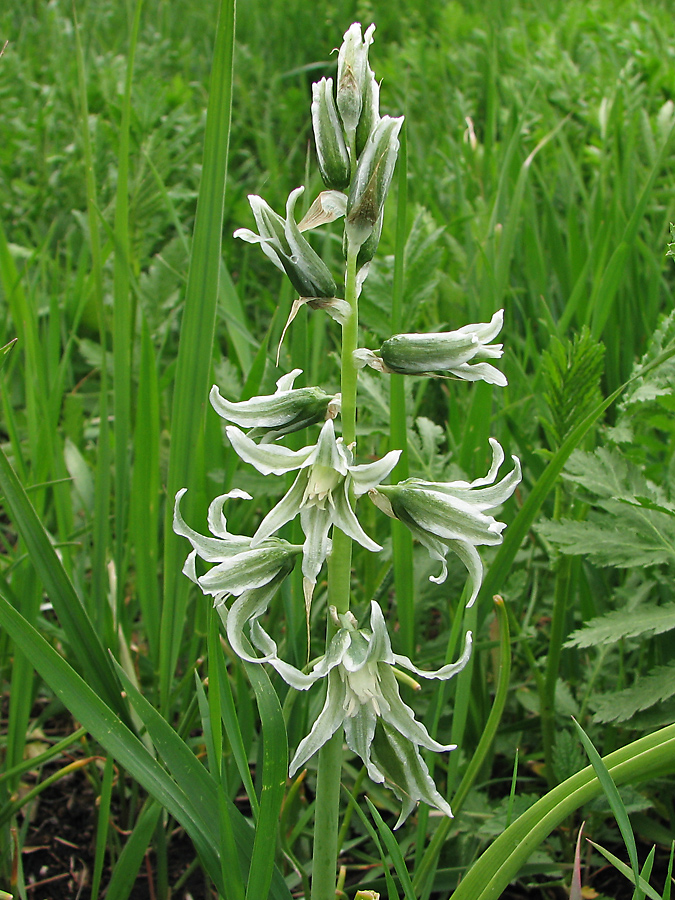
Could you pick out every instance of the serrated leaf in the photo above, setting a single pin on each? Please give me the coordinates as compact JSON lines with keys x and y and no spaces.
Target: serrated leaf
{"x":622,"y":536}
{"x":619,"y":706}
{"x":645,"y":621}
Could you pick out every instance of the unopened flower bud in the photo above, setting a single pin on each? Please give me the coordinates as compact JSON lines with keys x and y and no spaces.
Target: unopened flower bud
{"x":331,"y":149}
{"x":370,"y":111}
{"x":373,"y":177}
{"x":455,"y":352}
{"x":352,"y":74}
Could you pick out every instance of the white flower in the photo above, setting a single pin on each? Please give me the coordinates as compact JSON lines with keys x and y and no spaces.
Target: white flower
{"x":363,"y":698}
{"x":331,"y":149}
{"x":240,"y":566}
{"x":281,"y":241}
{"x":320,"y":493}
{"x":448,"y":351}
{"x":285,"y":411}
{"x":452,"y":515}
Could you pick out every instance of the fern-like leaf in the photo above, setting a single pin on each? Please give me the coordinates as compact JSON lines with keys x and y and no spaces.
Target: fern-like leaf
{"x":644,"y":621}
{"x":620,"y":706}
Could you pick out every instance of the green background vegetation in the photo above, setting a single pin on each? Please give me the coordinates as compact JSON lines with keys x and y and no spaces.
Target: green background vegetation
{"x":540,"y":158}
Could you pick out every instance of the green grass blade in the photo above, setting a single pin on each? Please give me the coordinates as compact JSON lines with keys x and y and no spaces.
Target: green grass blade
{"x":126,"y":868}
{"x":627,"y":871}
{"x":613,"y":797}
{"x":102,"y":827}
{"x":392,"y":893}
{"x":81,"y":634}
{"x":106,"y":727}
{"x":394,"y":850}
{"x":233,"y":731}
{"x":647,"y":758}
{"x":274,"y":774}
{"x":122,"y":323}
{"x":197,"y":332}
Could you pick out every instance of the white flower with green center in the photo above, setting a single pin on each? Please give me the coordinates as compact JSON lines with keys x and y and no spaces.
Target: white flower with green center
{"x":320,"y":494}
{"x":362,"y":697}
{"x":241,"y":567}
{"x":452,"y":516}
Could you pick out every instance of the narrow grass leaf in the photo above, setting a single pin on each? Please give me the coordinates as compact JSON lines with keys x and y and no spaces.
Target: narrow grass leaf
{"x":628,"y":872}
{"x":103,"y":820}
{"x":80,"y":633}
{"x":613,"y":797}
{"x":394,"y":850}
{"x":197,"y":331}
{"x":230,"y":719}
{"x":107,"y":728}
{"x":126,"y":868}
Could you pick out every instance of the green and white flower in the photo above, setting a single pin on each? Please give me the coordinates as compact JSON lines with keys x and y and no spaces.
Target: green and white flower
{"x":452,"y":516}
{"x":281,"y":241}
{"x":240,"y":566}
{"x":287,"y":410}
{"x":371,"y":182}
{"x":363,"y":698}
{"x":457,"y":352}
{"x":353,"y":75}
{"x":320,"y":494}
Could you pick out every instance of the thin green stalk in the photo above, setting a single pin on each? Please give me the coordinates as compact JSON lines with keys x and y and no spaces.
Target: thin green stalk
{"x":339,"y":578}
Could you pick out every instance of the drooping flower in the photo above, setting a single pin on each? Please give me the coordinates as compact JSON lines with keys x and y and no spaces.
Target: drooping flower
{"x":287,"y":410}
{"x":281,"y":241}
{"x":362,"y":697}
{"x":460,"y":353}
{"x":240,"y":566}
{"x":320,"y":494}
{"x":452,"y":516}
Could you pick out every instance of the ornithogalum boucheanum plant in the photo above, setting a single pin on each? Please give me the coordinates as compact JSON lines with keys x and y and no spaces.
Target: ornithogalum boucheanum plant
{"x":357,"y":151}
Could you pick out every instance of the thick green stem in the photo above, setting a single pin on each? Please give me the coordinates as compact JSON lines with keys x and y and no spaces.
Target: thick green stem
{"x":326,"y":818}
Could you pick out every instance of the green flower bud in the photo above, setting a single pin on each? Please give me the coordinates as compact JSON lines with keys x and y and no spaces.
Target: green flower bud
{"x":370,"y":111}
{"x":373,"y":177}
{"x":448,"y":351}
{"x":331,"y":149}
{"x":352,"y":75}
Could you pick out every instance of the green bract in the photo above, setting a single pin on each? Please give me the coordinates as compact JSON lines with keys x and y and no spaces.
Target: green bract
{"x":320,"y":493}
{"x":282,"y":242}
{"x":285,"y":411}
{"x":448,"y":351}
{"x":331,"y":149}
{"x":240,"y":566}
{"x":451,"y":516}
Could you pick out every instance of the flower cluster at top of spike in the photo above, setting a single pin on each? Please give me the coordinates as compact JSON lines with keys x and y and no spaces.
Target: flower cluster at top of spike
{"x":356,"y":150}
